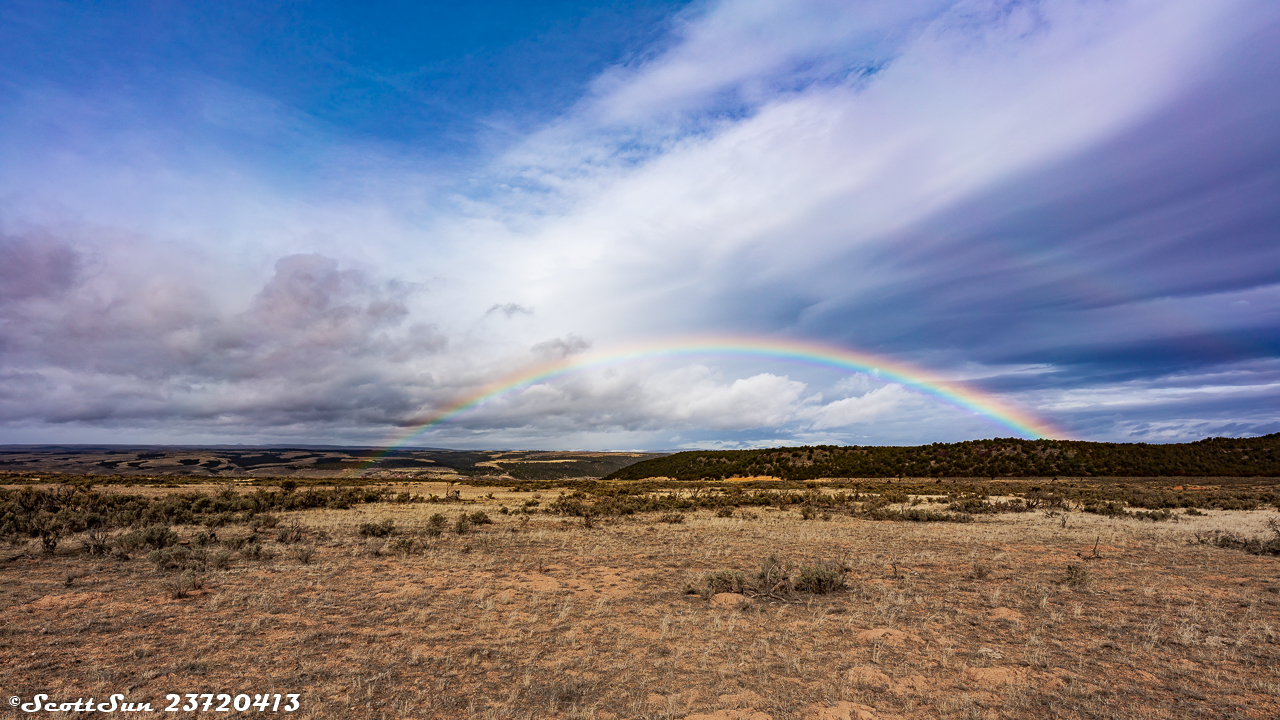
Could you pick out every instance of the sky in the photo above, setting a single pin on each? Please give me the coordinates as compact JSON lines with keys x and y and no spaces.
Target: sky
{"x":578,"y":225}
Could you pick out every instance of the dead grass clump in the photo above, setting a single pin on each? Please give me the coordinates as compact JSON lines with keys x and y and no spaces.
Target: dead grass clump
{"x":1155,"y":515}
{"x":1075,"y":576}
{"x":303,"y":553}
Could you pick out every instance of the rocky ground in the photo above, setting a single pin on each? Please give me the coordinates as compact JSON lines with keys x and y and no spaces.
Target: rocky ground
{"x":1024,"y":615}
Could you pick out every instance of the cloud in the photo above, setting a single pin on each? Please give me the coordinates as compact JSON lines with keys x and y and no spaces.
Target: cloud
{"x":35,"y":267}
{"x":316,"y":344}
{"x":564,"y":347}
{"x":1071,"y":203}
{"x":509,"y":310}
{"x":861,"y":409}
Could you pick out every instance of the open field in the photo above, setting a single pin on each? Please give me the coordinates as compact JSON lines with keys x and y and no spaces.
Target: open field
{"x":375,"y":611}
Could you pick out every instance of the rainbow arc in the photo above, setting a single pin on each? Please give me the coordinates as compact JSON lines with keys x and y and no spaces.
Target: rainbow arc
{"x":956,"y":394}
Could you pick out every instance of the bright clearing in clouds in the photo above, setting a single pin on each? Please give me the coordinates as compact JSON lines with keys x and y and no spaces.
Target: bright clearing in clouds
{"x":865,"y":222}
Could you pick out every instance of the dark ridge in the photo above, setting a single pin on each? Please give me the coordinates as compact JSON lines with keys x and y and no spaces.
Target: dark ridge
{"x":998,"y":457}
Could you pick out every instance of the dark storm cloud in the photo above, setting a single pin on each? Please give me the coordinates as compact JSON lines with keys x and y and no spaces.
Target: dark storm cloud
{"x":316,"y":344}
{"x":35,"y":266}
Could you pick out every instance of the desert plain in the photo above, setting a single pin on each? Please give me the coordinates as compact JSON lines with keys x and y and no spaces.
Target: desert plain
{"x":485,"y":602}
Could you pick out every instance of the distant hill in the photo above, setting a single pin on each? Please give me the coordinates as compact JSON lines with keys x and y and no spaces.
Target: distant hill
{"x":999,"y":457}
{"x":124,"y":464}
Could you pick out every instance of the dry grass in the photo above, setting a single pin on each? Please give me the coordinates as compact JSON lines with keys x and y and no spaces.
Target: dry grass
{"x":540,"y":617}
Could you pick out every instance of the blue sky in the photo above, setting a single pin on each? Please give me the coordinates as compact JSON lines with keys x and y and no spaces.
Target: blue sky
{"x":320,"y":222}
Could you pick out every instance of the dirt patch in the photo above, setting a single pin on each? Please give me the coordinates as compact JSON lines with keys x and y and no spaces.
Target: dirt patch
{"x":537,"y":616}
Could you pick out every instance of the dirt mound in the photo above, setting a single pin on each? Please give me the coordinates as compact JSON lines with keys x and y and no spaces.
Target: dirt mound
{"x":889,"y":636}
{"x":846,"y":711}
{"x":995,"y":676}
{"x":744,"y":714}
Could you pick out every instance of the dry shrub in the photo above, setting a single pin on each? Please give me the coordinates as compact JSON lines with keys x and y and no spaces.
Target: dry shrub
{"x":382,"y":529}
{"x":97,"y":542}
{"x":821,"y":578}
{"x":1075,"y":576}
{"x":182,"y":585}
{"x":303,"y":554}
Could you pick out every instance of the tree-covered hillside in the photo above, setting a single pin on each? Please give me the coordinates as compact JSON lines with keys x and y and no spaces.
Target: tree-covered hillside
{"x":1000,"y":457}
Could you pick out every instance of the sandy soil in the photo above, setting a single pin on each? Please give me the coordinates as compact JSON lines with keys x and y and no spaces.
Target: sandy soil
{"x":540,"y":617}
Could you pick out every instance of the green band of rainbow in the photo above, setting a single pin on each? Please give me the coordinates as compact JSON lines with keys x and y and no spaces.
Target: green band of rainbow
{"x":952,"y":393}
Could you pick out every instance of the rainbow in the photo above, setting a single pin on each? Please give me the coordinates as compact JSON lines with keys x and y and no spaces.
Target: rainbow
{"x":949,"y":392}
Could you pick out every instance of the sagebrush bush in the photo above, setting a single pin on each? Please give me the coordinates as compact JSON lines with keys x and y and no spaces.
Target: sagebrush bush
{"x":303,"y":553}
{"x":773,"y":577}
{"x":156,"y":537}
{"x":97,"y":542}
{"x":264,"y":521}
{"x":182,"y":585}
{"x":777,"y":578}
{"x":291,"y":533}
{"x":178,"y":557}
{"x":220,"y":560}
{"x":723,"y":581}
{"x":821,"y":578}
{"x":1251,"y":545}
{"x":240,"y":542}
{"x":255,"y":551}
{"x":385,"y":528}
